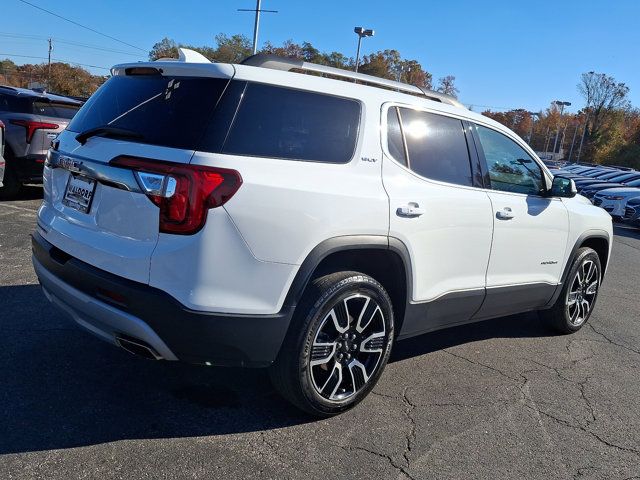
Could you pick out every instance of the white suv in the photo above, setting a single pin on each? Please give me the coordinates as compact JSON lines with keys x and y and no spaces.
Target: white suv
{"x":250,"y":215}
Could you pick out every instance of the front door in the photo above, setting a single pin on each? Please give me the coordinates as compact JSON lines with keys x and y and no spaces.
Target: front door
{"x":530,"y":229}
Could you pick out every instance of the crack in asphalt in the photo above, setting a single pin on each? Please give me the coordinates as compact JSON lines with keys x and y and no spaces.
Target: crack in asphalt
{"x":411,"y":436}
{"x":274,"y":449}
{"x":475,"y":362}
{"x":401,"y":469}
{"x":589,"y":432}
{"x":533,"y":406}
{"x":609,"y":340}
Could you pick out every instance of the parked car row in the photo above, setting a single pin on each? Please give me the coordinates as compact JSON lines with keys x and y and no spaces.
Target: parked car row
{"x":30,"y":121}
{"x":613,"y":188}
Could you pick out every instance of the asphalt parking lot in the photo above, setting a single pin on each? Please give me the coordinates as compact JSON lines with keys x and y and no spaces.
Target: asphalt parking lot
{"x":500,"y":399}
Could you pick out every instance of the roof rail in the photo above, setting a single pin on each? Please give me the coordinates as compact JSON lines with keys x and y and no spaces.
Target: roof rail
{"x":276,"y":62}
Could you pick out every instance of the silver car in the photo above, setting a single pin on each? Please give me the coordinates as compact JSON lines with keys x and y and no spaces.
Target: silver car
{"x":31,"y":120}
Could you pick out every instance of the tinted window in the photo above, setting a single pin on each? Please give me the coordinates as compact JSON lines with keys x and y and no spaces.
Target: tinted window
{"x":13,"y":103}
{"x":437,"y":146}
{"x":167,"y":111}
{"x":394,"y":136}
{"x":52,"y":109}
{"x":286,"y":123}
{"x":511,"y":168}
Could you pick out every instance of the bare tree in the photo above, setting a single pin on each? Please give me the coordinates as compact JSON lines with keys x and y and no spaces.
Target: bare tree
{"x":447,"y":86}
{"x":602,"y":95}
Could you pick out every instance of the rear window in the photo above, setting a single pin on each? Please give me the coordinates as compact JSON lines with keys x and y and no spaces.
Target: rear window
{"x":165,"y":111}
{"x":15,"y":104}
{"x":293,"y":124}
{"x":53,"y":109}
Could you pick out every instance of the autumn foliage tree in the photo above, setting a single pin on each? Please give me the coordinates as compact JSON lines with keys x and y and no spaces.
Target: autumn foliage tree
{"x":65,"y":79}
{"x":233,"y":49}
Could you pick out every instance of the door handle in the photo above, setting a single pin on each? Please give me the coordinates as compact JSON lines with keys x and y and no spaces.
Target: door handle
{"x":410,"y":210}
{"x":505,"y":214}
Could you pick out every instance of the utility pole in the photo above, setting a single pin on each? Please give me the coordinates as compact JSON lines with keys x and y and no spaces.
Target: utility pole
{"x":547,"y":138}
{"x":532,"y":115}
{"x":584,"y":133}
{"x":573,"y":141}
{"x":256,"y":24}
{"x":562,"y":105}
{"x":49,"y":74}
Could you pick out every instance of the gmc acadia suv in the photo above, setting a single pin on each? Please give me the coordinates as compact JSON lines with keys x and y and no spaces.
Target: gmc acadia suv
{"x":32,"y":119}
{"x":249,"y":215}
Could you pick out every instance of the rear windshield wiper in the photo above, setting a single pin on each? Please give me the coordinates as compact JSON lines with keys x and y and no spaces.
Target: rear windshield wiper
{"x":106,"y":131}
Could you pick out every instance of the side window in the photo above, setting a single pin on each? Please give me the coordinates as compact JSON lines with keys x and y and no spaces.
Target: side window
{"x":294,"y":124}
{"x":511,"y":168}
{"x":437,"y":147}
{"x":395,"y":143}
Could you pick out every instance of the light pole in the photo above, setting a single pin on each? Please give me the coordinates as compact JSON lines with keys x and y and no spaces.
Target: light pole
{"x":561,"y":104}
{"x":256,"y":23}
{"x":361,"y":32}
{"x":532,"y":115}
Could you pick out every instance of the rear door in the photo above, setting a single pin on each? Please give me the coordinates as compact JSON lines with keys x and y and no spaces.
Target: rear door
{"x":97,"y":212}
{"x":440,"y":212}
{"x":530,"y":233}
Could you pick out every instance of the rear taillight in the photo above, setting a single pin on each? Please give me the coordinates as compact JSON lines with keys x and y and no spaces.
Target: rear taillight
{"x":32,"y":126}
{"x":184,"y":192}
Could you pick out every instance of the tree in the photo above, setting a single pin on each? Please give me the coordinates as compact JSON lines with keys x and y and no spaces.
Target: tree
{"x":518,"y":120}
{"x":66,"y":79}
{"x":165,"y":48}
{"x":232,"y":49}
{"x":384,"y":64}
{"x":603,"y":96}
{"x":447,"y":86}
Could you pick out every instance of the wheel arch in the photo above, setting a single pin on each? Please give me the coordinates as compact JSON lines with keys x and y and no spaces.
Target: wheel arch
{"x":385,"y":259}
{"x":598,"y":240}
{"x":601,"y":245}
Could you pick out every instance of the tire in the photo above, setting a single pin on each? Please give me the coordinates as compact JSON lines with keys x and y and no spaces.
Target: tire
{"x":318,"y":369}
{"x":578,"y":295}
{"x":11,"y":185}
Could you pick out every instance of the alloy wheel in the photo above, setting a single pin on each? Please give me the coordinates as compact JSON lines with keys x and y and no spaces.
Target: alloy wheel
{"x":582,"y":294}
{"x":347,"y":347}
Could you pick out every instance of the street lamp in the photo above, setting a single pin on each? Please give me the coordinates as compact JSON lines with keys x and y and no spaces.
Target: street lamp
{"x":532,"y":115}
{"x":361,"y":32}
{"x":561,"y":104}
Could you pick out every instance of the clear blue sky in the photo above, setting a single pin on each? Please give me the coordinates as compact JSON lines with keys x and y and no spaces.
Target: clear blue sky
{"x":503,"y":53}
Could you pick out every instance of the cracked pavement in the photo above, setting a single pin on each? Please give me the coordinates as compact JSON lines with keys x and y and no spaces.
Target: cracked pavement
{"x":501,"y":399}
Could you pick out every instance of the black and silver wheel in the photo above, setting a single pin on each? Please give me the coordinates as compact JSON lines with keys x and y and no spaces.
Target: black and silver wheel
{"x":579,"y":293}
{"x":338,"y":344}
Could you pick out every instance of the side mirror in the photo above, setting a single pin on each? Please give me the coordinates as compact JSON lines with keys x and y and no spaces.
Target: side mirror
{"x":563,"y":187}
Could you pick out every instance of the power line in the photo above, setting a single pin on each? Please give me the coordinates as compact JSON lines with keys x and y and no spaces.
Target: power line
{"x":55,"y":59}
{"x":82,"y":26}
{"x":67,"y":42}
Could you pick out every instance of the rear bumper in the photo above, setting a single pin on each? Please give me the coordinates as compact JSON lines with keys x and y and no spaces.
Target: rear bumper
{"x":151,"y":315}
{"x":29,"y":168}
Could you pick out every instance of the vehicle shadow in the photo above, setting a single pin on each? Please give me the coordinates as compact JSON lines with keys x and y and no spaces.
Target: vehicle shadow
{"x":27,"y":192}
{"x":63,"y":388}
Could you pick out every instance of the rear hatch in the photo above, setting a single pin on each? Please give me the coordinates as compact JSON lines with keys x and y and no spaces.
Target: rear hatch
{"x":98,"y":212}
{"x":54,"y":116}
